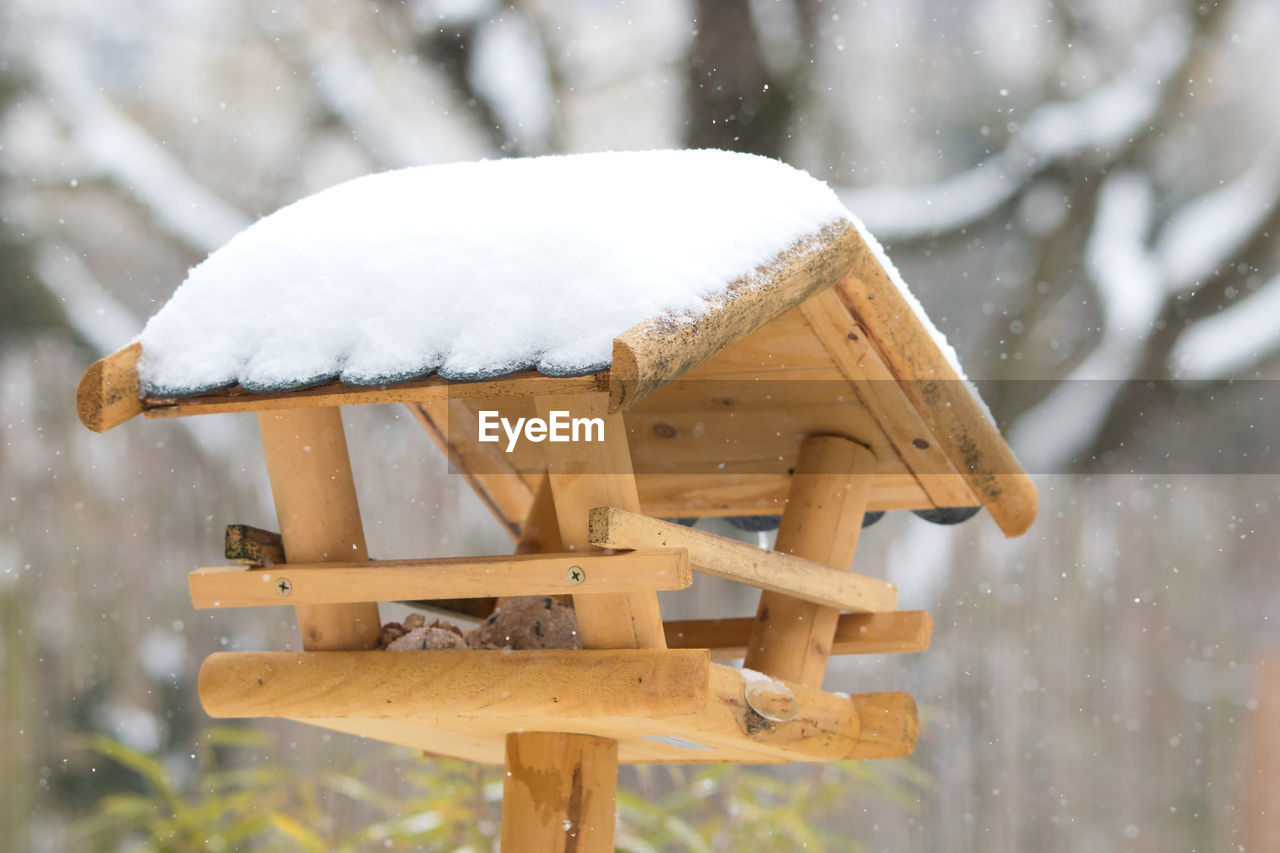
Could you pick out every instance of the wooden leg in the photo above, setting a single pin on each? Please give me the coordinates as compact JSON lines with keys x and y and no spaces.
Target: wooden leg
{"x":791,"y":638}
{"x":584,"y":475}
{"x":559,"y":793}
{"x":319,"y":517}
{"x":561,"y":789}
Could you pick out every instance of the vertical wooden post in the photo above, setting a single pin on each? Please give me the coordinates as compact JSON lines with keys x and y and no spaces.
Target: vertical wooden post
{"x":319,"y":517}
{"x":559,"y":793}
{"x":791,"y":639}
{"x":561,"y":789}
{"x":584,"y":475}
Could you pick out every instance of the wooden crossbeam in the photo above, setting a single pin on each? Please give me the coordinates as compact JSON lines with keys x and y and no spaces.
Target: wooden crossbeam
{"x":469,"y":577}
{"x":660,"y":705}
{"x":856,"y":634}
{"x":252,"y":546}
{"x":737,"y":561}
{"x":526,"y":384}
{"x":545,"y":683}
{"x":108,"y":394}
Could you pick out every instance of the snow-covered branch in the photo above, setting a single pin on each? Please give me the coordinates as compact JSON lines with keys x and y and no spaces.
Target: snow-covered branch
{"x":508,"y":66}
{"x":1135,"y":283}
{"x":97,"y":316}
{"x":1231,"y":342}
{"x":373,"y":99}
{"x":1131,"y":293}
{"x":352,"y":92}
{"x":114,"y":147}
{"x":1104,"y":121}
{"x":1207,"y":231}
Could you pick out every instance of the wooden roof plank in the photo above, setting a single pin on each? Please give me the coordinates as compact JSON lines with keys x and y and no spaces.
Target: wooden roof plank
{"x":107,"y":395}
{"x":948,"y":407}
{"x":914,"y":443}
{"x":651,"y":354}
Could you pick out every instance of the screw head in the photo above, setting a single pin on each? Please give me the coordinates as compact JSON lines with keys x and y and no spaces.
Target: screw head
{"x":284,"y":586}
{"x":576,"y":575}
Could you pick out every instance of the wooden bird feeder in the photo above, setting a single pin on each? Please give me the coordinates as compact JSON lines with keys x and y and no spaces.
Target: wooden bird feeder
{"x":812,"y":391}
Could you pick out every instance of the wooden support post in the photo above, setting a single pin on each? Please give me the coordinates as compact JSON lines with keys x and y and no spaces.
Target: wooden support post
{"x":821,"y":522}
{"x":319,"y":517}
{"x":559,"y":793}
{"x":560,"y":789}
{"x":588,"y":474}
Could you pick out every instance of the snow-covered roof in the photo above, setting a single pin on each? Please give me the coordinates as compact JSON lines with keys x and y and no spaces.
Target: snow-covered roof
{"x":627,"y":270}
{"x":479,"y":270}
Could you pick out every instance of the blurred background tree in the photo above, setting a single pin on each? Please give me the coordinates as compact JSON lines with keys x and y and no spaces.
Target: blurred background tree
{"x":1079,"y":192}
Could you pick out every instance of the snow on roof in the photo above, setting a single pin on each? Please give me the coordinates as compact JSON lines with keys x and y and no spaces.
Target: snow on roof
{"x":477,"y":270}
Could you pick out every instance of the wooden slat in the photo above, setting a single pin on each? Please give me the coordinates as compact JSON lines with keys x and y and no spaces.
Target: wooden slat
{"x":589,"y":474}
{"x":336,"y":394}
{"x":661,"y":706}
{"x":559,"y":793}
{"x":823,"y":519}
{"x":485,"y":468}
{"x":920,"y":451}
{"x":107,"y":395}
{"x":528,"y":685}
{"x":737,"y":561}
{"x":856,"y":634}
{"x":653,"y":353}
{"x":470,"y":577}
{"x":252,"y":546}
{"x":947,"y":407}
{"x":315,"y":497}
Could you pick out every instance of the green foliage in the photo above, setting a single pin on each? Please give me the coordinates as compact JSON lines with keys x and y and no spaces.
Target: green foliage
{"x":736,"y":807}
{"x":237,"y":802}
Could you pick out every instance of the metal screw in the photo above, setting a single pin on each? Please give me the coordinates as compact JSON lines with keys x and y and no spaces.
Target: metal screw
{"x":576,"y":575}
{"x":284,"y":586}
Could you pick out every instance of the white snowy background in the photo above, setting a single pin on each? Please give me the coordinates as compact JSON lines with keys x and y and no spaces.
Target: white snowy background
{"x":1075,"y":191}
